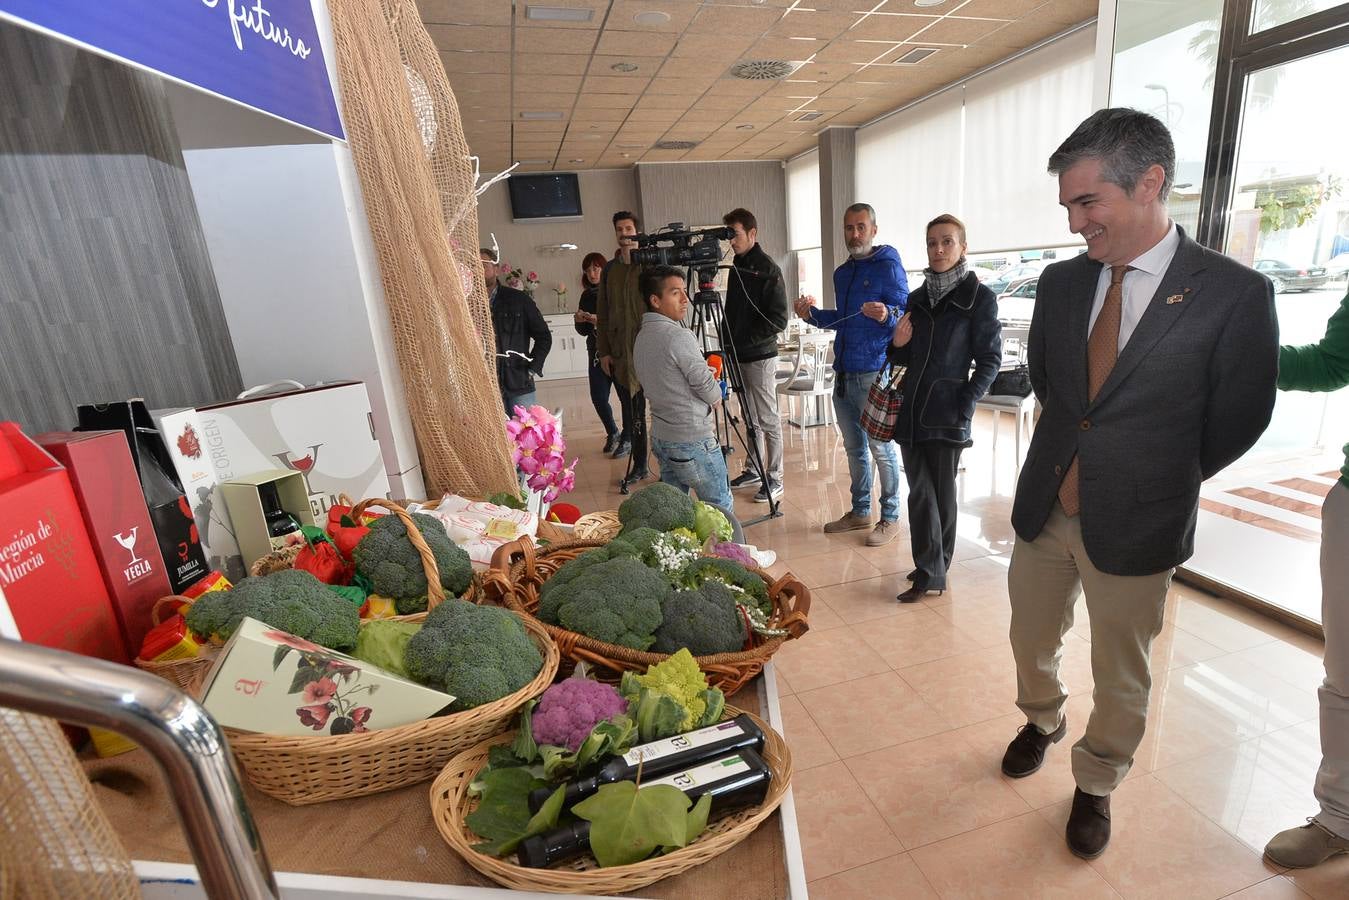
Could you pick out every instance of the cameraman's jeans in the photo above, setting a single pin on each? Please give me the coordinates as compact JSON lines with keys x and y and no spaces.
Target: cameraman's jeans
{"x":698,"y":465}
{"x":850,"y":395}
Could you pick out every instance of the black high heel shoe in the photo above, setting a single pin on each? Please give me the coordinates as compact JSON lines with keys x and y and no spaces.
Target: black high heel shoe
{"x":917,"y":592}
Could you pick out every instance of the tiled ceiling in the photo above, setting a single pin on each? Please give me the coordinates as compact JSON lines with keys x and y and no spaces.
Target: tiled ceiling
{"x":602,"y":91}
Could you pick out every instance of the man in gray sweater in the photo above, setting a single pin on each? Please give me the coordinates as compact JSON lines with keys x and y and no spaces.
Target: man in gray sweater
{"x":681,"y":391}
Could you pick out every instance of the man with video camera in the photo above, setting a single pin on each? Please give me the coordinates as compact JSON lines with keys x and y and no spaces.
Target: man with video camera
{"x":682,"y":391}
{"x":756,"y":313}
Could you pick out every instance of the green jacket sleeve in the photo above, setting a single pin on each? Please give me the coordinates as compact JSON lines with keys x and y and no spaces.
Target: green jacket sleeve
{"x":1323,"y":366}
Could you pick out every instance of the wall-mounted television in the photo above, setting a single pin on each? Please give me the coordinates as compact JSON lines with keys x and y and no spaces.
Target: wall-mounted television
{"x":545,"y":197}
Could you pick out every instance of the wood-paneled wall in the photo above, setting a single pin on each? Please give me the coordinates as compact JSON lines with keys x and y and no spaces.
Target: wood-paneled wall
{"x":106,"y":287}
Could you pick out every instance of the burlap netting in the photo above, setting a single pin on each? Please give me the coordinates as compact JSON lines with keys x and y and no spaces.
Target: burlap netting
{"x":405,"y":134}
{"x":55,"y":842}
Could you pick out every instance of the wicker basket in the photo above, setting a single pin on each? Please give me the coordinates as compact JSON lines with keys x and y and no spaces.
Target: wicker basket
{"x":519,"y":571}
{"x":451,"y":804}
{"x":599,"y":526}
{"x":185,"y":673}
{"x":305,"y":770}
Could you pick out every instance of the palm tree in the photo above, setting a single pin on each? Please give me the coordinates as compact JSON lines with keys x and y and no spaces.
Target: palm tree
{"x":1268,"y":14}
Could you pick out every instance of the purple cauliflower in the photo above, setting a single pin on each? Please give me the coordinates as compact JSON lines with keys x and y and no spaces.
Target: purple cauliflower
{"x":732,"y":551}
{"x":569,"y":709}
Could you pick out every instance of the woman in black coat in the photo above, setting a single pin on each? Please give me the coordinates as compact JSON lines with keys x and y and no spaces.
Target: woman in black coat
{"x":601,"y":384}
{"x":951,"y":325}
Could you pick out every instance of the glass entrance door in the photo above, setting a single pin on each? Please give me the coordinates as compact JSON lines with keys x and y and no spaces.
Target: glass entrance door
{"x":1288,"y":217}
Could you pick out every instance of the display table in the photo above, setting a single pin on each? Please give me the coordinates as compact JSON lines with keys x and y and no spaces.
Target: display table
{"x":387,"y":844}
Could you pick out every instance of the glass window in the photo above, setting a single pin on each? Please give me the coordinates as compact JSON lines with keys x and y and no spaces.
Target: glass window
{"x":1184,"y":33}
{"x":1289,"y":220}
{"x":809,"y":274}
{"x":1272,"y":13}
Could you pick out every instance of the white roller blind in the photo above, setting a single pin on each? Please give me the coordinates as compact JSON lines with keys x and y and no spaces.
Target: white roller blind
{"x":908,"y":168}
{"x":1015,"y":116}
{"x":803,"y":201}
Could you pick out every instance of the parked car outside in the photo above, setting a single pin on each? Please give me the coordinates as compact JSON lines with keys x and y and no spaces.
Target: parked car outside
{"x":1002,"y":283}
{"x":1017,"y":303}
{"x":1292,"y":278}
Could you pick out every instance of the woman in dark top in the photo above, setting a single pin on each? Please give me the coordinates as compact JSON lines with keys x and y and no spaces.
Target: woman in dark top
{"x":951,"y":326}
{"x":600,"y":384}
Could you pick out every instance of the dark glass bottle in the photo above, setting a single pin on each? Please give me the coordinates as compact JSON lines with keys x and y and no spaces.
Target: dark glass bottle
{"x":659,"y":757}
{"x":281,"y":525}
{"x":740,"y":779}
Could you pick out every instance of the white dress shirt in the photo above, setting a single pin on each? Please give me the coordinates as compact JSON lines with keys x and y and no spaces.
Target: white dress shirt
{"x":1139,"y":285}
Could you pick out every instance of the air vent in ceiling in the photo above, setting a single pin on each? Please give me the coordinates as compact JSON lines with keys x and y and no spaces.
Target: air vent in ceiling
{"x":916,"y":55}
{"x":763,"y":69}
{"x":675,"y":145}
{"x":809,"y":117}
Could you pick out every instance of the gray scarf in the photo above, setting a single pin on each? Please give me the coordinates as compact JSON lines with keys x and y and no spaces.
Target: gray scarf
{"x":939,"y":284}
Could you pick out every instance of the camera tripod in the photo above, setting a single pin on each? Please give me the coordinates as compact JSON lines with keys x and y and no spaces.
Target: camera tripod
{"x":709,"y":320}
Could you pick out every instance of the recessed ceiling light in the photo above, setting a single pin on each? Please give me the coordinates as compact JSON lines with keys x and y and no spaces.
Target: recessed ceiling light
{"x":558,"y":14}
{"x":809,"y":117}
{"x":926,"y":3}
{"x":651,"y":17}
{"x":624,"y":67}
{"x":745,"y":127}
{"x":535,"y":115}
{"x":576,"y":160}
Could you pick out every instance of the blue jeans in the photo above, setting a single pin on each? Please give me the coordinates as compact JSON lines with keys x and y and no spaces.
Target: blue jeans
{"x":510,"y":401}
{"x":850,"y":395}
{"x":696,"y":465}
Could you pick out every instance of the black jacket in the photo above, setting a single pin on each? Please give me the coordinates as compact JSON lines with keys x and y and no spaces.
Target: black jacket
{"x":519,"y":326}
{"x":939,"y":390}
{"x":756,"y":306}
{"x":590,"y":299}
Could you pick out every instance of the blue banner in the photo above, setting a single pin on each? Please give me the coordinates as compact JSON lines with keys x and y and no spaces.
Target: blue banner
{"x":264,"y":54}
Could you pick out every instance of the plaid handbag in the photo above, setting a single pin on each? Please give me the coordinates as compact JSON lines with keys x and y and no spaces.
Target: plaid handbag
{"x":883,"y":402}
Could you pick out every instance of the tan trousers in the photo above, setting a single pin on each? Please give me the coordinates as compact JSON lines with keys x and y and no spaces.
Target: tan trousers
{"x":1044,"y":581}
{"x":1332,"y":781}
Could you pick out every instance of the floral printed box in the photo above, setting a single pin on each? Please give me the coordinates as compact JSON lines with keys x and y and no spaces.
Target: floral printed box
{"x":269,"y":681}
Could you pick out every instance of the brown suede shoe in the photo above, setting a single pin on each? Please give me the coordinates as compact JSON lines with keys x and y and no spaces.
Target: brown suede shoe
{"x":1305,"y":846}
{"x":1026,"y":753}
{"x":847,"y":522}
{"x":1088,"y":830}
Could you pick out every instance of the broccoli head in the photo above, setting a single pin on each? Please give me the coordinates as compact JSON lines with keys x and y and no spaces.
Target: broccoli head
{"x":291,"y":600}
{"x":615,"y":600}
{"x":659,"y":506}
{"x":476,"y":653}
{"x":705,"y":620}
{"x":748,"y":587}
{"x":548,"y":594}
{"x":394,"y":567}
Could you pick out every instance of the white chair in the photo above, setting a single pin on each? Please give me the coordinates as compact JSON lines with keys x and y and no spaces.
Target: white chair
{"x":811,"y":381}
{"x":1022,"y":409}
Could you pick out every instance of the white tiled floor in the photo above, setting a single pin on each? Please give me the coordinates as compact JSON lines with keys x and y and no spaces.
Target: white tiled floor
{"x":898,"y":715}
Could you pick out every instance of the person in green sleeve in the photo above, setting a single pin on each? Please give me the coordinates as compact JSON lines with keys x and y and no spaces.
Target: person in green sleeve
{"x":1324,"y":366}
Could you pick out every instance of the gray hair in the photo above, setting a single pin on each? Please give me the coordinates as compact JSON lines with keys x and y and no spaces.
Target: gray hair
{"x":861,"y":207}
{"x":1126,"y":141}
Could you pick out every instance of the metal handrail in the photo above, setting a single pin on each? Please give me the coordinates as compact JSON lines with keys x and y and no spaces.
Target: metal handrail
{"x":175,"y":730}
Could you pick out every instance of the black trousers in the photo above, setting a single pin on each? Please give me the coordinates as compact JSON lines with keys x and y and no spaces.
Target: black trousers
{"x":634,"y":425}
{"x":600,"y":385}
{"x":931,"y":468}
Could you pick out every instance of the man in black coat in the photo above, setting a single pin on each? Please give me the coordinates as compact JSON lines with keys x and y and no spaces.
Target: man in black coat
{"x":1155,"y":361}
{"x":523,"y":338}
{"x":756,"y":313}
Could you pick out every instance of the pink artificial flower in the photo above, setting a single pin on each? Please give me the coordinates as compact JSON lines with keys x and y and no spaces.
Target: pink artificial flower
{"x":320,"y":691}
{"x":316,"y":716}
{"x":533,"y":276}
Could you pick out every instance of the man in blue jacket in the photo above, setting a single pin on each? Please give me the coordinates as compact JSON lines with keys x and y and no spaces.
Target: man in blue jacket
{"x":871,"y":292}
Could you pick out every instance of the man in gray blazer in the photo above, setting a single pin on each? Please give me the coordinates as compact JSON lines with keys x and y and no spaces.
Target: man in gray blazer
{"x":1155,"y":361}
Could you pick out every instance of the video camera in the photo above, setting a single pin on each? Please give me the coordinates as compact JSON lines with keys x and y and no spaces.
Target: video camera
{"x":674,"y":246}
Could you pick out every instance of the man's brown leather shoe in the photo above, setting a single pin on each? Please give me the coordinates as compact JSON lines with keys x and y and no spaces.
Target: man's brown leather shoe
{"x":1088,"y":825}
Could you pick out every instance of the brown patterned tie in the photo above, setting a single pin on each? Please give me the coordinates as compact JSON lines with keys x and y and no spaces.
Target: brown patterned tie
{"x":1102,"y":351}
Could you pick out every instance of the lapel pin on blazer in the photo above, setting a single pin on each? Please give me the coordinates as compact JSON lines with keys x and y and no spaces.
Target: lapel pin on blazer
{"x":1176,"y":298}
